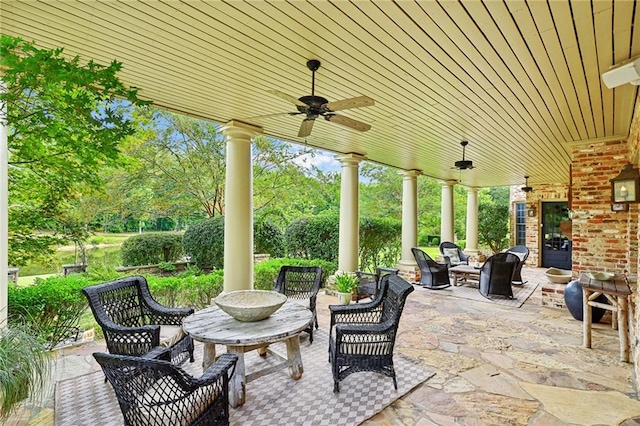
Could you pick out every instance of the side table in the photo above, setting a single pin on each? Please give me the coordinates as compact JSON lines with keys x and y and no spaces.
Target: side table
{"x":617,"y":291}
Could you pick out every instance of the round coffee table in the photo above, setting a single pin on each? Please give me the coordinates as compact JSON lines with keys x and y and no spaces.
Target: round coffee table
{"x":212,"y":326}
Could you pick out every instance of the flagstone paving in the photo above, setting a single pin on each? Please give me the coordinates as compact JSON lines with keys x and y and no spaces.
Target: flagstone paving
{"x":495,"y":365}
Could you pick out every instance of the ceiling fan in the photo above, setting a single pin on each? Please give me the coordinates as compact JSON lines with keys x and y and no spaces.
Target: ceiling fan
{"x":463,"y":164}
{"x":526,"y":187}
{"x":313,"y":106}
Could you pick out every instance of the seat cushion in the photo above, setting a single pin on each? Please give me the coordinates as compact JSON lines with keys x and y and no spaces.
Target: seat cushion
{"x":170,"y":335}
{"x":521,"y":256}
{"x":302,"y":302}
{"x":452,"y":254}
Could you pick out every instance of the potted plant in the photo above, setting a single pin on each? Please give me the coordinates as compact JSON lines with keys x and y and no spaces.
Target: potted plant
{"x":345,"y":284}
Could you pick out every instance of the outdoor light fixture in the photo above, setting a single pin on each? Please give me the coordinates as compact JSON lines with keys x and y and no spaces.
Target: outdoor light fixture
{"x":625,"y":187}
{"x":526,"y":187}
{"x":627,"y":72}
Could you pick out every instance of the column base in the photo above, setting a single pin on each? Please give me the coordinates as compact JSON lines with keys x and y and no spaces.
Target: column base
{"x":409,"y":271}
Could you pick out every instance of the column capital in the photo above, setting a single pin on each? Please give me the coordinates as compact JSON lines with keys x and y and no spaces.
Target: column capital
{"x":236,"y":128}
{"x":350,"y":158}
{"x":410,"y":173}
{"x":450,"y":182}
{"x":472,"y":189}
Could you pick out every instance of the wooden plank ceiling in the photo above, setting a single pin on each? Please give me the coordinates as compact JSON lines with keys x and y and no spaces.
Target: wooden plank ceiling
{"x":519,"y":80}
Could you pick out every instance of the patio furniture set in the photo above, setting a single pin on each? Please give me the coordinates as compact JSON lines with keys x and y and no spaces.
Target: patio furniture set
{"x":148,"y":343}
{"x":494,"y":277}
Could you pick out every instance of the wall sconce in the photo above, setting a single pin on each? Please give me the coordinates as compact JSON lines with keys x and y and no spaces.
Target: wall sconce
{"x":531,"y":211}
{"x":625,"y":187}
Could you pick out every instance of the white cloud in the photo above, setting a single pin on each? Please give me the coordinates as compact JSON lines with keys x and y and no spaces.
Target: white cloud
{"x":322,"y":161}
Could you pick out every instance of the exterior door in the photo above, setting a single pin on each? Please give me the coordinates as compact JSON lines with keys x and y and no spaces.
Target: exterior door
{"x":556,"y":235}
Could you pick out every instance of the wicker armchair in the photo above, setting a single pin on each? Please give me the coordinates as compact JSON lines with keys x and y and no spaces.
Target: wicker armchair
{"x":133,"y":323}
{"x":496,"y":275}
{"x":155,"y":392}
{"x":301,"y":285}
{"x":362,"y":336}
{"x":433,"y":275}
{"x":452,"y":254}
{"x":370,"y":283}
{"x":522,"y":252}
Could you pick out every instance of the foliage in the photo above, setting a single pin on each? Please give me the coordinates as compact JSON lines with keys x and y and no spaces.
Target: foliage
{"x":266,"y":273}
{"x":188,"y":290}
{"x":380,"y":242}
{"x":268,"y":238}
{"x":63,"y":127}
{"x":24,"y":368}
{"x":51,"y":308}
{"x":151,"y":248}
{"x":346,"y":282}
{"x":493,"y":225}
{"x":204,"y":243}
{"x":313,"y":237}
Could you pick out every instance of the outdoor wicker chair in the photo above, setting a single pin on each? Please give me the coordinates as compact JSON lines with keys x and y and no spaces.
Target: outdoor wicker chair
{"x":155,"y":392}
{"x":522,"y":252}
{"x":362,"y":336}
{"x":433,"y":275}
{"x":453,"y":255}
{"x":496,"y":275}
{"x":370,"y":283}
{"x":133,"y":323}
{"x":301,"y":285}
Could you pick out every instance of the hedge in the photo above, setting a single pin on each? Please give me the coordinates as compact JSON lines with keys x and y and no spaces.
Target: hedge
{"x":265,"y":273}
{"x":151,"y":248}
{"x":313,"y":238}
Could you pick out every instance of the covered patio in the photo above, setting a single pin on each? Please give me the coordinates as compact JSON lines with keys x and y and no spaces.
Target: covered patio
{"x":493,"y":365}
{"x":521,"y":81}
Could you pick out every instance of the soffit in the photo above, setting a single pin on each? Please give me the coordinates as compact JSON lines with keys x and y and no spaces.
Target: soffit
{"x":519,"y":80}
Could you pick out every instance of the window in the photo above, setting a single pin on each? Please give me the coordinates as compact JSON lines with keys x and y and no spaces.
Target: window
{"x":521,"y":226}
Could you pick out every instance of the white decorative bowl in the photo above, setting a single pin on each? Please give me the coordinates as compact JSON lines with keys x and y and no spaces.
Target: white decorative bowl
{"x":250,"y":305}
{"x":558,"y":276}
{"x":601,"y":276}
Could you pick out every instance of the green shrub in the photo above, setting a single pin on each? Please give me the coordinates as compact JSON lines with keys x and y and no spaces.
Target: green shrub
{"x":187,"y":290}
{"x":380,"y":242}
{"x":204,"y":243}
{"x":268,"y":238}
{"x":51,"y":308}
{"x":265,"y":273}
{"x":313,"y":238}
{"x":151,"y":248}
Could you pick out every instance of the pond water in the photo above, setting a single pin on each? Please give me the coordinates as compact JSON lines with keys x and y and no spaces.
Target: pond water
{"x":108,"y":257}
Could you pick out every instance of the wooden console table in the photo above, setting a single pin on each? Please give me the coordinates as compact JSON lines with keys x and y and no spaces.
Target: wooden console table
{"x":617,"y":291}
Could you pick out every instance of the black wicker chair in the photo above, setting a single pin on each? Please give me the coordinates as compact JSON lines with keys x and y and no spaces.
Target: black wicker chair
{"x":370,"y":283}
{"x":523,"y":253}
{"x":155,"y":392}
{"x":433,"y":275}
{"x":496,"y":275}
{"x":448,"y":249}
{"x":362,"y":336}
{"x":301,"y":285}
{"x":133,"y":323}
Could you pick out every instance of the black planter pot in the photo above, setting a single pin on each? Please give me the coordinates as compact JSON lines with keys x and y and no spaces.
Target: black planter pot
{"x":573,"y":300}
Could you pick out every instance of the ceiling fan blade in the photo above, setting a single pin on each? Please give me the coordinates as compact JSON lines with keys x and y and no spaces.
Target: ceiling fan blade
{"x":305,"y":127}
{"x":348,"y":122}
{"x":360,"y":101}
{"x":287,"y":98}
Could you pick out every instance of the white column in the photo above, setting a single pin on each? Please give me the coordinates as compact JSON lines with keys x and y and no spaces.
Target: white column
{"x":238,"y":215}
{"x":472,"y":222}
{"x":349,"y":215}
{"x":409,"y":216}
{"x":446,"y":211}
{"x":4,"y":214}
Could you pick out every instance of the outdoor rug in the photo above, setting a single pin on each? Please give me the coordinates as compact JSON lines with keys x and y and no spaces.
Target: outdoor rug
{"x":274,"y":399}
{"x":470,"y":291}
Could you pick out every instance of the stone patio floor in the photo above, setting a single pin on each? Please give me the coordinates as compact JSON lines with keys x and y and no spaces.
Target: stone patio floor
{"x":495,"y":365}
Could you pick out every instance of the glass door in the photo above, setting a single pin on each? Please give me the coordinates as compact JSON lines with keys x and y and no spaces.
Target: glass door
{"x":556,"y":235}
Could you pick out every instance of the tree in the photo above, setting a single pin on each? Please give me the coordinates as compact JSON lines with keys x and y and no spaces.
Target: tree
{"x":493,"y":218}
{"x":63,"y":127}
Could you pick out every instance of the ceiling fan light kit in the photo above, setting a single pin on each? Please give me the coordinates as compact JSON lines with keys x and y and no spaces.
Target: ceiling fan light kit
{"x":313,"y":106}
{"x":627,"y":72}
